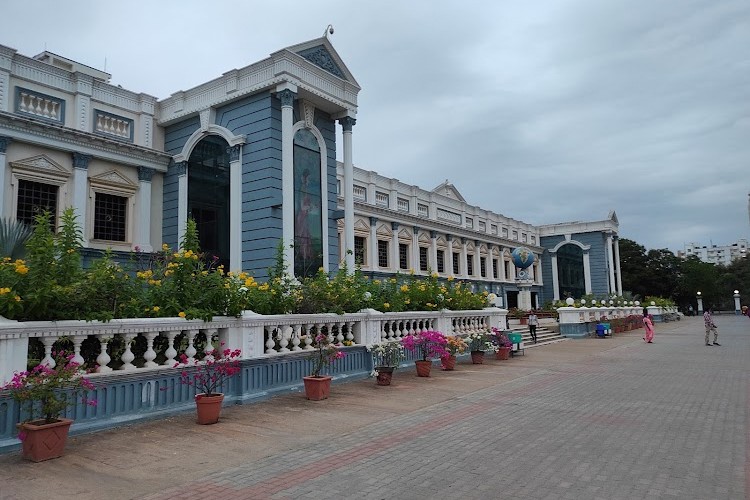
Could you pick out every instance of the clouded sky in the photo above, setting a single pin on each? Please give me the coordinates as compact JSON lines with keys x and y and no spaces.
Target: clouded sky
{"x":544,"y":111}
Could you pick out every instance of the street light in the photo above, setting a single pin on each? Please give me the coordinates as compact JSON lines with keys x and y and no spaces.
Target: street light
{"x":699,"y":298}
{"x":737,"y":302}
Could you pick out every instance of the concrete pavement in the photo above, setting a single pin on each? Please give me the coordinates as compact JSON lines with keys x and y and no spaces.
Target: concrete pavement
{"x":585,"y":419}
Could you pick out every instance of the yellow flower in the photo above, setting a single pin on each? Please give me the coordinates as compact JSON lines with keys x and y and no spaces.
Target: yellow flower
{"x":156,"y":309}
{"x":3,"y":291}
{"x":165,"y":247}
{"x":181,"y":314}
{"x":263,"y":287}
{"x":249,"y":282}
{"x":21,"y":269}
{"x":18,"y":299}
{"x":404,"y":288}
{"x":411,"y":271}
{"x":407,"y":301}
{"x":422,"y":288}
{"x":386,"y":305}
{"x":204,"y":273}
{"x":168,"y":272}
{"x":451,"y":278}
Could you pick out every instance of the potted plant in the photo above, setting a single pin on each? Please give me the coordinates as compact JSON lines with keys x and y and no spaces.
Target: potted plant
{"x":386,"y":358}
{"x":478,"y":343}
{"x":317,"y":386}
{"x":427,"y":344}
{"x":208,"y":378}
{"x":455,"y":345}
{"x":46,"y":391}
{"x":502,"y":344}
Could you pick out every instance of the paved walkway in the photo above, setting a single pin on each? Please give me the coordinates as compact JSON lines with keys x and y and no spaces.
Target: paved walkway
{"x":585,"y":419}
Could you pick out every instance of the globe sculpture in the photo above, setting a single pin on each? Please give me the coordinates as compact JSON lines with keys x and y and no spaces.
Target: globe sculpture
{"x":522,"y":257}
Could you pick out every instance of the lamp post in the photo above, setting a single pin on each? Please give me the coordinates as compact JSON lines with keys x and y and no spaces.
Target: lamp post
{"x":699,"y":298}
{"x":737,"y":302}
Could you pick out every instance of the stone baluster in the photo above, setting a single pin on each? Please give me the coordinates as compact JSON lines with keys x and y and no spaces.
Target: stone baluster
{"x":208,"y":351}
{"x":190,"y":352}
{"x":103,"y":358}
{"x":296,"y":333}
{"x":48,"y":360}
{"x":283,"y":334}
{"x":150,"y":354}
{"x":340,"y":335}
{"x":77,"y":341}
{"x":350,"y":331}
{"x":270,"y":343}
{"x":308,"y":337}
{"x":329,"y":335}
{"x":128,"y":356}
{"x":171,"y":352}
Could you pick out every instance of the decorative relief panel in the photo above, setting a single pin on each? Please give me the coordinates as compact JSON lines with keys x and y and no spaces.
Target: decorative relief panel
{"x":39,"y":105}
{"x":447,"y":216}
{"x":319,"y":56}
{"x":360,"y":193}
{"x":113,"y":125}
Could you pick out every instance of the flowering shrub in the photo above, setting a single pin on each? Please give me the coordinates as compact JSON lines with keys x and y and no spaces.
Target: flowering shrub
{"x":427,"y":344}
{"x":500,"y":339}
{"x":388,"y":354}
{"x":480,"y":341}
{"x":325,"y":353}
{"x":456,"y":345}
{"x":48,"y":391}
{"x":210,"y":375}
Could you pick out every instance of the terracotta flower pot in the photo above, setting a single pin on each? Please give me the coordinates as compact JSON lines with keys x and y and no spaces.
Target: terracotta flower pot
{"x":385,"y":374}
{"x":43,"y":441}
{"x":448,"y":362}
{"x":423,"y":368}
{"x":477,"y":357}
{"x":317,"y":388}
{"x":503,"y":353}
{"x":208,"y":408}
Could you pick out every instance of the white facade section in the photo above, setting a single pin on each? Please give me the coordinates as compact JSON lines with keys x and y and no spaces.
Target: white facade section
{"x":715,"y":254}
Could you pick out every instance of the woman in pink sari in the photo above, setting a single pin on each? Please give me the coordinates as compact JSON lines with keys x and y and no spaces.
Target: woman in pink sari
{"x":649,"y":326}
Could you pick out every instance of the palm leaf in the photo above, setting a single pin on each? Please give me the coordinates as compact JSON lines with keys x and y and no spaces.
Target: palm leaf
{"x":13,"y":237}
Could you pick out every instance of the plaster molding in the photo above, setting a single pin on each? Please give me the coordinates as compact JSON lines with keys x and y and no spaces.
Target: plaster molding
{"x":583,"y":247}
{"x":198,"y":135}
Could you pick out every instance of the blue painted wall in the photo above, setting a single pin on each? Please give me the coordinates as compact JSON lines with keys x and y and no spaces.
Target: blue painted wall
{"x":175,"y":137}
{"x":597,"y":259}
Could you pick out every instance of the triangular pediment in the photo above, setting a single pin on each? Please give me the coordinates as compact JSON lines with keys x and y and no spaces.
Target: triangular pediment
{"x":321,"y":53}
{"x":112,"y":178}
{"x":383,"y":230}
{"x":361,"y":225}
{"x":449,"y":190}
{"x":404,"y":234}
{"x":42,"y":163}
{"x":613,"y":217}
{"x":424,"y":238}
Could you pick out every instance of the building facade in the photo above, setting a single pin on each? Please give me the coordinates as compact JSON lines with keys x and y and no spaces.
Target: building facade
{"x":715,"y":254}
{"x":251,"y":157}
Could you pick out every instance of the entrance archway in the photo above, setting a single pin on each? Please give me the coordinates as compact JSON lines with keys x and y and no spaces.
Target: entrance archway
{"x":570,"y":273}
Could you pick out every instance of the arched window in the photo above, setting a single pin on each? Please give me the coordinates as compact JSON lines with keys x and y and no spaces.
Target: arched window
{"x":570,"y":277}
{"x":208,"y":195}
{"x":308,"y":209}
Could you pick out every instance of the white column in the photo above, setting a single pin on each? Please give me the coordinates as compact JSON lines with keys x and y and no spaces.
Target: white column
{"x":555,"y":282}
{"x":182,"y":201}
{"x":80,"y":183}
{"x":83,"y":90}
{"x":617,"y":262}
{"x":142,"y":238}
{"x":394,"y":247}
{"x":415,"y":249}
{"x":477,"y":267}
{"x":449,"y":256}
{"x":373,"y":243}
{"x":286,"y":96}
{"x":464,"y":260}
{"x":501,"y":261}
{"x":235,"y":208}
{"x":490,"y":264}
{"x":611,"y":262}
{"x":587,"y":271}
{"x":347,"y":123}
{"x":737,"y":307}
{"x":4,"y":141}
{"x":433,"y":251}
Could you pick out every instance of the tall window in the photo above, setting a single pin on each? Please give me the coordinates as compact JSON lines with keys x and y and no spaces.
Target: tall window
{"x":110,"y":217}
{"x":382,"y":253}
{"x":35,"y":198}
{"x":483,"y":266}
{"x":456,"y":264}
{"x":495,"y":270}
{"x":506,"y":266}
{"x":441,"y":261}
{"x":570,"y":271}
{"x":423,"y":259}
{"x":470,"y":264}
{"x":403,"y":256}
{"x":359,"y":250}
{"x":308,"y":205}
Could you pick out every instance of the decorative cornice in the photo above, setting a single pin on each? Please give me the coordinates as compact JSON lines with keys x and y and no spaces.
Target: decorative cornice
{"x":145,"y":174}
{"x":4,"y":141}
{"x":347,"y":122}
{"x":286,"y":97}
{"x":81,"y":160}
{"x":234,"y":152}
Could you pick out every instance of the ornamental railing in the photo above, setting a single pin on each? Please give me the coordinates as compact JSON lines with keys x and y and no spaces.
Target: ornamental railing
{"x":128,"y":345}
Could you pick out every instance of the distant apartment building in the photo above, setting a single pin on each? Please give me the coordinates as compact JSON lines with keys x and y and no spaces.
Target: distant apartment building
{"x":715,"y":254}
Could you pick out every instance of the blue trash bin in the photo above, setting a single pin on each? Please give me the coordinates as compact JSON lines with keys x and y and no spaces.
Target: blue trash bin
{"x":601,"y":331}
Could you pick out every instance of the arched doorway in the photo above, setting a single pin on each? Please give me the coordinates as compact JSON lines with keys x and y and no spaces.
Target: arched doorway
{"x":208,"y":195}
{"x":570,"y":275}
{"x":308,"y":205}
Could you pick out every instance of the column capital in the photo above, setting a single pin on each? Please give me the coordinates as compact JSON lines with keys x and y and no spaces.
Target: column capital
{"x":181,"y":168}
{"x":81,"y":161}
{"x":394,"y":225}
{"x":145,"y":174}
{"x":463,"y":240}
{"x":373,"y":220}
{"x":415,"y":229}
{"x":449,"y":237}
{"x":4,"y":141}
{"x":433,"y":234}
{"x":286,"y":97}
{"x":347,"y":123}
{"x":234,"y":152}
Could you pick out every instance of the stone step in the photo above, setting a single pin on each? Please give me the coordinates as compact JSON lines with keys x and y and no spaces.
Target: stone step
{"x":543,"y":336}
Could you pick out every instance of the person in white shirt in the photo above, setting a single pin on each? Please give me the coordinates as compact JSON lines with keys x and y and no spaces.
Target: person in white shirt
{"x":533,"y":322}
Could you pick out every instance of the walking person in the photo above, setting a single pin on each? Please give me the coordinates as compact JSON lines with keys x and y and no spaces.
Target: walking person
{"x":708,"y":321}
{"x":533,"y":322}
{"x":649,"y":327}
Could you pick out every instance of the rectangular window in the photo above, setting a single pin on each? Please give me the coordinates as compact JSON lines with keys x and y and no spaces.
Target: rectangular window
{"x":506,"y":266}
{"x":505,"y":232}
{"x":422,"y":210}
{"x":441,"y":261}
{"x":402,"y":205}
{"x":470,"y":264}
{"x":110,"y":213}
{"x":359,"y":250}
{"x":423,"y":259}
{"x":523,"y":237}
{"x":493,"y":229}
{"x":360,"y":193}
{"x":533,"y":240}
{"x":470,"y":223}
{"x":515,"y":235}
{"x":382,"y":253}
{"x":381,"y":199}
{"x":483,"y":266}
{"x":456,"y":262}
{"x":495,"y":270}
{"x":403,"y":256}
{"x":482,"y":226}
{"x":35,"y":198}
